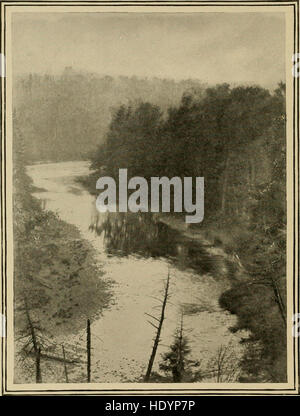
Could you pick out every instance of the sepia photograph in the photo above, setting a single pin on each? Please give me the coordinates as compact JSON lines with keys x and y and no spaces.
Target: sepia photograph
{"x":149,"y":211}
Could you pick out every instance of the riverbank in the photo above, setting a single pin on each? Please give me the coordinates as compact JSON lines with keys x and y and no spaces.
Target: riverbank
{"x":57,"y":286}
{"x":212,"y":241}
{"x":69,"y":287}
{"x":255,"y":297}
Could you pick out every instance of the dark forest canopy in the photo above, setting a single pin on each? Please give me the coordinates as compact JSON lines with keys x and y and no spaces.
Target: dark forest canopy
{"x":64,"y":117}
{"x":229,"y":136}
{"x":234,"y":138}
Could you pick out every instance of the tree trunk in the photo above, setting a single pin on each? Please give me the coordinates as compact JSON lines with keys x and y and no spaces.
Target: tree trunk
{"x":31,"y":328}
{"x":88,"y":349}
{"x":36,"y":348}
{"x":279,"y":300}
{"x":180,"y":363}
{"x":38,"y":374}
{"x":157,"y":338}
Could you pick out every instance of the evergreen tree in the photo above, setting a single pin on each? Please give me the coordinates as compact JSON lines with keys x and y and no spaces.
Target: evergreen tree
{"x":176,"y":361}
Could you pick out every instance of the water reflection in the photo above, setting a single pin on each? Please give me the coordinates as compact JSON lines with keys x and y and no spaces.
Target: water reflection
{"x":146,"y":235}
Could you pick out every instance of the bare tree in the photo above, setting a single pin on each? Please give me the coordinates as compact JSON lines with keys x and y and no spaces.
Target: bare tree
{"x":158,"y":328}
{"x":224,"y":366}
{"x":65,"y":364}
{"x":33,"y":338}
{"x":88,"y":349}
{"x":36,"y":344}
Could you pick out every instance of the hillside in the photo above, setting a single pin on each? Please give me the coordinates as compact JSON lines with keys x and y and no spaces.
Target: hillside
{"x":65,"y":117}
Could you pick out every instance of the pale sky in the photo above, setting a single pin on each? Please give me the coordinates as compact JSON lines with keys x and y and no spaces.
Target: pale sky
{"x":211,"y":47}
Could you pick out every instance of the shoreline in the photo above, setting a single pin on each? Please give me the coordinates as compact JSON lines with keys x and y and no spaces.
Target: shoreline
{"x":65,"y":288}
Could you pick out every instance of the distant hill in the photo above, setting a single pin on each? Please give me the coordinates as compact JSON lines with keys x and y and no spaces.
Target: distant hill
{"x":65,"y":117}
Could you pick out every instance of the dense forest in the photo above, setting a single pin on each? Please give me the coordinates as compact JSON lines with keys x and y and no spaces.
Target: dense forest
{"x":235,"y":138}
{"x":64,"y":117}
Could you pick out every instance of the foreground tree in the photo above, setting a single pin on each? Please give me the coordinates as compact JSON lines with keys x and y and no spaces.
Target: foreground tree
{"x":158,"y":328}
{"x":176,"y":361}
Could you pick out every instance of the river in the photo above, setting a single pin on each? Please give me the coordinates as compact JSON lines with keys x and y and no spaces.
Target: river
{"x":122,"y":338}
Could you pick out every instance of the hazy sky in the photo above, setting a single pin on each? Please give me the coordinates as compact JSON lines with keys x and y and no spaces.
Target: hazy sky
{"x":212,"y":47}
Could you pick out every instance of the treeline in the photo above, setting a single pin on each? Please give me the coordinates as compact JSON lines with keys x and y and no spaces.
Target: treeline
{"x":226,"y":135}
{"x":235,"y":138}
{"x":64,"y":117}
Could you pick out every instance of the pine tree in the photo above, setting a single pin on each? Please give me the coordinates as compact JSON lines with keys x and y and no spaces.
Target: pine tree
{"x":176,"y":361}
